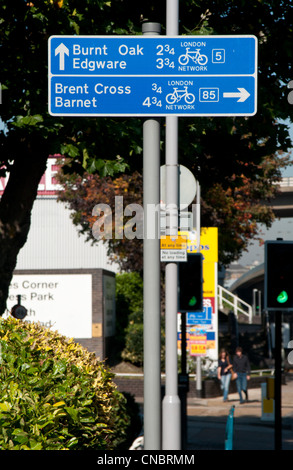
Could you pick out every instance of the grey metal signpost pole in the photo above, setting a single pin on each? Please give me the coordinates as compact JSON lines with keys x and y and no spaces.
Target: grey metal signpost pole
{"x":171,"y":402}
{"x":151,"y":276}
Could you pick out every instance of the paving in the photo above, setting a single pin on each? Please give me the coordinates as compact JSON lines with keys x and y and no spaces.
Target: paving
{"x":207,"y":418}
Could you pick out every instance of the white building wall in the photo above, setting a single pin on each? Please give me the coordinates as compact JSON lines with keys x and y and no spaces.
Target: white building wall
{"x":54,"y":243}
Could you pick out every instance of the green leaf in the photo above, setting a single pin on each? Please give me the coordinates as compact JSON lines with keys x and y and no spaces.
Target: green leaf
{"x":5,"y":406}
{"x":20,"y":436}
{"x":59,"y":368}
{"x":73,"y":413}
{"x":59,"y":403}
{"x":87,"y":419}
{"x":72,"y":442}
{"x":70,"y":150}
{"x":120,"y":166}
{"x":85,"y":158}
{"x":34,"y":445}
{"x":25,"y":121}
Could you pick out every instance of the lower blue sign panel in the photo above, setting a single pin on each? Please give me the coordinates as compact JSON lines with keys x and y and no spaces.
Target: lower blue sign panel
{"x":160,"y":96}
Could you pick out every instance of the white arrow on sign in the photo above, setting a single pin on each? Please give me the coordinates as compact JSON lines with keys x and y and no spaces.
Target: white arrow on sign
{"x":242,"y":94}
{"x":62,"y":50}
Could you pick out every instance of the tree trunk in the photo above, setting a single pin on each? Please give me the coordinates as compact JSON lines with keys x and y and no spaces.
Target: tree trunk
{"x":15,"y":211}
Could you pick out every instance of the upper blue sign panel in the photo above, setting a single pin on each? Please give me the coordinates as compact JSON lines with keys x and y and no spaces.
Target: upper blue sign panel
{"x":152,"y":55}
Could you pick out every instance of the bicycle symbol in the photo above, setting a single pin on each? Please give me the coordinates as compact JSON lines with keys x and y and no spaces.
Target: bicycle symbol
{"x":198,"y":58}
{"x":177,"y":96}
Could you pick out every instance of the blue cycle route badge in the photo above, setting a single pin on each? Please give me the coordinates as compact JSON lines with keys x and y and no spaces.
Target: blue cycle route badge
{"x":152,"y":75}
{"x":200,"y":318}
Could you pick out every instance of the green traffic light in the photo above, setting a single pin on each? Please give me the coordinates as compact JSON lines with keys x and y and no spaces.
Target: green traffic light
{"x":192,"y":302}
{"x":282,"y":297}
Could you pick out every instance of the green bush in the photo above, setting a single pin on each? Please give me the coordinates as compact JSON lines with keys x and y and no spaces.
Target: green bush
{"x":129,"y":291}
{"x":133,"y":351}
{"x":54,"y":394}
{"x":129,"y":306}
{"x":129,"y":300}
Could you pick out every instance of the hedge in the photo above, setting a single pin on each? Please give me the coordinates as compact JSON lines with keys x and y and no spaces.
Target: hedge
{"x":54,"y":394}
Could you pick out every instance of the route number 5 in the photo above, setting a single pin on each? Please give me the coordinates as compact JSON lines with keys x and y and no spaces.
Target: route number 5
{"x":218,"y":56}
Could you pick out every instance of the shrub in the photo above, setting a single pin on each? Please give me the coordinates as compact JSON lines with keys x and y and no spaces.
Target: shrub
{"x":133,"y":351}
{"x":55,"y":394}
{"x":129,"y":306}
{"x":129,"y":300}
{"x":129,"y":289}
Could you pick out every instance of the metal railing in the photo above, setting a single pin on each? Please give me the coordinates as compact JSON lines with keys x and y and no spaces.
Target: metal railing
{"x":255,"y":373}
{"x":228,"y":300}
{"x":230,"y":430}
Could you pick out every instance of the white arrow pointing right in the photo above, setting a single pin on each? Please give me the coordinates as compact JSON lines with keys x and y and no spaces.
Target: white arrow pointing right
{"x":242,"y":94}
{"x":62,"y":50}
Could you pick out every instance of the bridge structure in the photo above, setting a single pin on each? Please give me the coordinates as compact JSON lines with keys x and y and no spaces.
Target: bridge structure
{"x":282,"y":205}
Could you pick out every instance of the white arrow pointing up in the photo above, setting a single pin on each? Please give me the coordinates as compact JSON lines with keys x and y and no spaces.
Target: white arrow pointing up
{"x":242,"y":94}
{"x":62,"y":50}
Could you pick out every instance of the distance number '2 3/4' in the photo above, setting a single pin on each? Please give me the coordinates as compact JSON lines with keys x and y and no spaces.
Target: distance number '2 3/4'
{"x":165,"y":61}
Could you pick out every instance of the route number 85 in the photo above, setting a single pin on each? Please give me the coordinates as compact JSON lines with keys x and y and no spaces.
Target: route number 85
{"x":207,"y":95}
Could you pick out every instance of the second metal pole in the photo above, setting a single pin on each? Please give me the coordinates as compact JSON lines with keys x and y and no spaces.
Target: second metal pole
{"x":171,"y":401}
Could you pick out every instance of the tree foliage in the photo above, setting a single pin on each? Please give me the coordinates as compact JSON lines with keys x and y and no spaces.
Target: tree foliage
{"x":218,"y":151}
{"x":236,"y":160}
{"x":29,"y":134}
{"x":83,"y":193}
{"x":238,"y":205}
{"x":55,"y":395}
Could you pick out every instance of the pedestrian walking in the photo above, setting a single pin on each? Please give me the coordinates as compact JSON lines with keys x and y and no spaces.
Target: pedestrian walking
{"x":224,"y":373}
{"x":241,"y":367}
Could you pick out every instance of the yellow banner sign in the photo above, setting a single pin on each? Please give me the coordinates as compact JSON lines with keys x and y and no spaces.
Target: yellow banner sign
{"x":209,"y":279}
{"x":208,"y":243}
{"x":170,"y":242}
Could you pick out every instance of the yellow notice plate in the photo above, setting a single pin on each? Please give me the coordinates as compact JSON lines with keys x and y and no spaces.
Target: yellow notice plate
{"x":170,"y":242}
{"x":198,"y":348}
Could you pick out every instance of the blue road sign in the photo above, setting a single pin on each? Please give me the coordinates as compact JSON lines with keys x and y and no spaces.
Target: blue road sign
{"x":200,"y":318}
{"x":143,"y":75}
{"x":152,"y":55}
{"x":161,"y":96}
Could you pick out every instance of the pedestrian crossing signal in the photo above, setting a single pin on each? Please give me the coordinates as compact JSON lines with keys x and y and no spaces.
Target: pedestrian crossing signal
{"x":190,"y":284}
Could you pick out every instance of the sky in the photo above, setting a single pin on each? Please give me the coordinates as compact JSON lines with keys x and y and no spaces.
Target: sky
{"x":281,"y":228}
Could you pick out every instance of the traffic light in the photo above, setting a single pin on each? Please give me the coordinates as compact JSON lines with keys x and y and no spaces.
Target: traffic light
{"x":190,"y":284}
{"x":279,"y":275}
